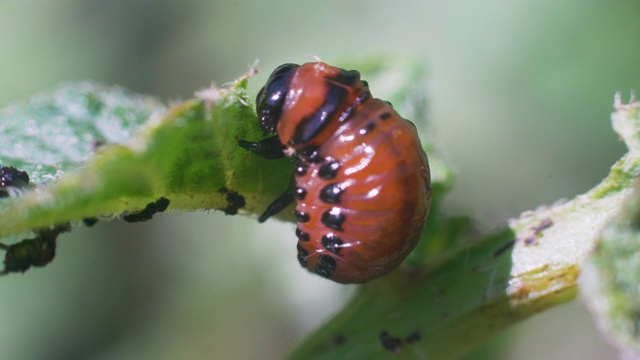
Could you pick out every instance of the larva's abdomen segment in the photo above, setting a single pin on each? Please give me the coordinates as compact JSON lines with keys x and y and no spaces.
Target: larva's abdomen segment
{"x":374,"y":183}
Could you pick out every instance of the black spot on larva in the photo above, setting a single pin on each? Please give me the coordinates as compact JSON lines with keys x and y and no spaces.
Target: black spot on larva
{"x":235,"y":201}
{"x":333,"y":218}
{"x":390,"y":343}
{"x":315,"y":157}
{"x":385,"y":115}
{"x":368,"y":128}
{"x":37,"y":252}
{"x":330,"y":194}
{"x":302,"y":256}
{"x":328,"y":262}
{"x":302,"y":236}
{"x":332,"y":243}
{"x":389,"y":103}
{"x":147,"y":213}
{"x":329,"y":170}
{"x":302,"y":260}
{"x":90,"y":221}
{"x":301,"y":168}
{"x":322,"y":271}
{"x":12,"y":177}
{"x":311,"y":154}
{"x":365,"y":83}
{"x":301,"y":216}
{"x":299,"y":193}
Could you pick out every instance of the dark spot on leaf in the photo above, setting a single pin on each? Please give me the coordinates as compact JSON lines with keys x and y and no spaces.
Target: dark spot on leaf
{"x":162,"y":204}
{"x":504,"y":248}
{"x":11,"y":177}
{"x":97,"y":144}
{"x":235,"y":201}
{"x":413,"y":337}
{"x":37,"y":252}
{"x":391,"y":343}
{"x":544,"y":224}
{"x":147,"y":213}
{"x":338,"y":340}
{"x":90,"y":221}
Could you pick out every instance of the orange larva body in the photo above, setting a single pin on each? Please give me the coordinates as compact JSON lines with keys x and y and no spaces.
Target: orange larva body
{"x":362,"y":181}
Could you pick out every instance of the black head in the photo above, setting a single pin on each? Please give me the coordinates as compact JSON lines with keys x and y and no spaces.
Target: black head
{"x":271,"y":97}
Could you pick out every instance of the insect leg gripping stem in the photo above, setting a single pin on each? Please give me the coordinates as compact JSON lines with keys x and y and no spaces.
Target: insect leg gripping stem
{"x":269,"y":148}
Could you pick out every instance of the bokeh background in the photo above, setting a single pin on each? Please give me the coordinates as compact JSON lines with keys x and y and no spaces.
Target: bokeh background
{"x":521,"y":97}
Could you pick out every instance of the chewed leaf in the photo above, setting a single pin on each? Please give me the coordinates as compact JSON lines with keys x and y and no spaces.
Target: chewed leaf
{"x":92,"y":150}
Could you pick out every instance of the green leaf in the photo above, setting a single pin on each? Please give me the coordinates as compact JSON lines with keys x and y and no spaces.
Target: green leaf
{"x":92,"y":150}
{"x":611,"y":280}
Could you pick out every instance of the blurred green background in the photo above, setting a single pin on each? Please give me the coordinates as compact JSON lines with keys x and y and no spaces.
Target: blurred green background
{"x":521,"y":97}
